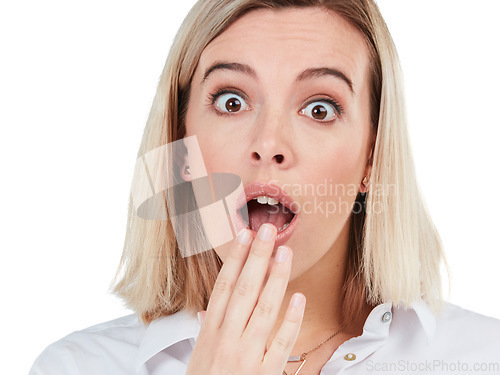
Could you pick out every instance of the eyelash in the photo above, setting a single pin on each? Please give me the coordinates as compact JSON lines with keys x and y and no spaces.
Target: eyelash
{"x":215,"y":95}
{"x":212,"y":97}
{"x":338,"y":107}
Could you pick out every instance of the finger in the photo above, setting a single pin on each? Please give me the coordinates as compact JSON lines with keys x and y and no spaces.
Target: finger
{"x":248,"y":286}
{"x":266,"y":312}
{"x":276,"y":356}
{"x":226,"y":280}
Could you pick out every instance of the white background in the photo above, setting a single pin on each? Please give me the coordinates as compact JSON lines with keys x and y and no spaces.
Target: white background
{"x":76,"y":84}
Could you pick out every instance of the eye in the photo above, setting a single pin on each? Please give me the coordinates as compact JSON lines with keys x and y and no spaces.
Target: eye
{"x":231,"y":102}
{"x":321,"y":110}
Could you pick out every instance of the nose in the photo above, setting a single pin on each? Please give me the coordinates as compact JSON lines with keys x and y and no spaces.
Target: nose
{"x":271,"y":146}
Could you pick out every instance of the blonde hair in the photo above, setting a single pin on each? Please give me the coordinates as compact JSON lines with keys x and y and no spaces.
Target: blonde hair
{"x":394,"y":255}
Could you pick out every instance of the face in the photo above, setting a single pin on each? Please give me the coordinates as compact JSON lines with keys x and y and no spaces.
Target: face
{"x":282,"y":99}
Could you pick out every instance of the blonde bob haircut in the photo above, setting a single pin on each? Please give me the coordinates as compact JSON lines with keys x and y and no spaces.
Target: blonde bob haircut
{"x":395,"y":253}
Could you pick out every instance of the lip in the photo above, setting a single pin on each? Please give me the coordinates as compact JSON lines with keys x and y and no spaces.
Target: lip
{"x":255,"y":189}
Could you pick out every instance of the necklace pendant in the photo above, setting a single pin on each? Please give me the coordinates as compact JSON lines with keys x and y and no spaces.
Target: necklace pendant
{"x":301,"y":365}
{"x":297,"y":358}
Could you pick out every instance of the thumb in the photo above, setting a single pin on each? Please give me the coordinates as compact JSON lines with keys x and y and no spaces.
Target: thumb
{"x":201,"y":316}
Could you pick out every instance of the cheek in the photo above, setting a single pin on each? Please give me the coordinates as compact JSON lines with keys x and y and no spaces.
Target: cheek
{"x":214,"y":149}
{"x":341,"y":163}
{"x":218,"y":155}
{"x":335,"y":174}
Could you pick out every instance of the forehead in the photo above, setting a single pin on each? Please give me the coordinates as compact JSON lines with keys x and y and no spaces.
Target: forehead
{"x":290,"y":41}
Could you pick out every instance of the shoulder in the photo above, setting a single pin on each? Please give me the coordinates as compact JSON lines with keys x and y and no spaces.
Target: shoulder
{"x":92,"y":349}
{"x":467,"y":331}
{"x":453,"y":330}
{"x":453,"y":316}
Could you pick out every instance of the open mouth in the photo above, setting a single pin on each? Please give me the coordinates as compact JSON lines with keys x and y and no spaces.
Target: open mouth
{"x":264,"y":209}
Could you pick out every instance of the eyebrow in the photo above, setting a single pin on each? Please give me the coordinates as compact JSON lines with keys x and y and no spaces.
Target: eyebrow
{"x":235,"y":67}
{"x":306,"y":74}
{"x":321,"y":72}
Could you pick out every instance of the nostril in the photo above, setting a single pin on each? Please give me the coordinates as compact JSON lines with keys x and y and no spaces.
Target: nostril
{"x":279,"y":157}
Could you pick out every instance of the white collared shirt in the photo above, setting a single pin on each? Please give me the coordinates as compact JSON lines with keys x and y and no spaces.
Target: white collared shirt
{"x":394,"y":341}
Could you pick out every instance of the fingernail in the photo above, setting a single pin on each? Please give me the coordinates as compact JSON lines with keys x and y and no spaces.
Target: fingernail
{"x":265,"y":232}
{"x":244,"y":237}
{"x":297,"y":300}
{"x":281,"y":254}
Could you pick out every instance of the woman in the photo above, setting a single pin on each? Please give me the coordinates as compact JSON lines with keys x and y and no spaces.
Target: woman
{"x":302,"y":100}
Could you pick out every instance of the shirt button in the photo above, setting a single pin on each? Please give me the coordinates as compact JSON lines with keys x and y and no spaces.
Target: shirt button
{"x":350,"y":357}
{"x":387,"y":317}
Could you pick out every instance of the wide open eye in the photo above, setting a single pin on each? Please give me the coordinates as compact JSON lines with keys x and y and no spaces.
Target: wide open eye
{"x":230,"y":103}
{"x":320,"y":110}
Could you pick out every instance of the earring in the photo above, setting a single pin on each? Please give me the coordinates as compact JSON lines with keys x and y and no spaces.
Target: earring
{"x":185,"y":173}
{"x":365,"y":181}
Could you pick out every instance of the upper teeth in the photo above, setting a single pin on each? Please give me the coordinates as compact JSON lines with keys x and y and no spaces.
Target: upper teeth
{"x":263,"y":199}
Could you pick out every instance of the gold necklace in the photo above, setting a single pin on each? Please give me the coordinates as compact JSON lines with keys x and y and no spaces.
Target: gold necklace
{"x":302,"y":358}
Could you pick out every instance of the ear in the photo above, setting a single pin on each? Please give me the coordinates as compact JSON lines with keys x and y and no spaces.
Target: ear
{"x":185,"y":172}
{"x":367,"y":173}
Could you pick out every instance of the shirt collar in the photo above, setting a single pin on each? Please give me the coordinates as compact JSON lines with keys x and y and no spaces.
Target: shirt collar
{"x":421,"y":308}
{"x":166,"y":331}
{"x":169,"y":330}
{"x":426,"y":317}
